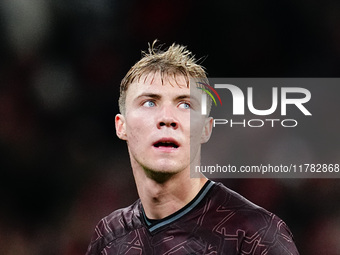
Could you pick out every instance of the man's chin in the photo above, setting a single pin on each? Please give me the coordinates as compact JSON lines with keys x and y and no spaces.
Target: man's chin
{"x":160,"y":175}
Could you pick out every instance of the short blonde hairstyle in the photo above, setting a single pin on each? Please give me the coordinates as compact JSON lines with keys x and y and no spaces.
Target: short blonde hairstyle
{"x":174,"y":61}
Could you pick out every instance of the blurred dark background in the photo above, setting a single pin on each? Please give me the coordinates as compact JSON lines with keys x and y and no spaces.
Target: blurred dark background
{"x":63,"y":168}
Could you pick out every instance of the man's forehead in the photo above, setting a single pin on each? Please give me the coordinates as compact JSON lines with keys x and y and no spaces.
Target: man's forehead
{"x":158,"y":78}
{"x":166,"y":85}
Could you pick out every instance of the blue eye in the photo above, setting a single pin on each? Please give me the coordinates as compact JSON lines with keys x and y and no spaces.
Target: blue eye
{"x":184,"y":105}
{"x":149,"y":104}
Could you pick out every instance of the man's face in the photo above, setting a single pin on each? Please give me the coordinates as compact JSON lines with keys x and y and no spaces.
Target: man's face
{"x":156,"y":124}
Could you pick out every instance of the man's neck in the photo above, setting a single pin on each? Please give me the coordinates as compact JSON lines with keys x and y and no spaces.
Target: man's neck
{"x":161,"y":199}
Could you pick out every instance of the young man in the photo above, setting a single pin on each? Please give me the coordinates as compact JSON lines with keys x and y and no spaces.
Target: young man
{"x":162,"y":124}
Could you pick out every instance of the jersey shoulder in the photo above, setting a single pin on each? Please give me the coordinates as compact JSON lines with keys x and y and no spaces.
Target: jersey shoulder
{"x":117,"y":224}
{"x":250,"y":215}
{"x":259,"y":229}
{"x":231,"y":200}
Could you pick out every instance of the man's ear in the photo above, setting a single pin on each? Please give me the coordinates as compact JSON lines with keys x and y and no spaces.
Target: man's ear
{"x":207,"y":130}
{"x":120,"y":126}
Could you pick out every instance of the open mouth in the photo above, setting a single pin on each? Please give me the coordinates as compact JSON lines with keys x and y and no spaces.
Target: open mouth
{"x":166,"y":143}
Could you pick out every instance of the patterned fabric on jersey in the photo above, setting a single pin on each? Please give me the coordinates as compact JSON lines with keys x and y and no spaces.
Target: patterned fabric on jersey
{"x":216,"y":221}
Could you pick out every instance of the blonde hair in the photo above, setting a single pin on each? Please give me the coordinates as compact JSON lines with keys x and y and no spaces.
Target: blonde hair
{"x":176,"y":60}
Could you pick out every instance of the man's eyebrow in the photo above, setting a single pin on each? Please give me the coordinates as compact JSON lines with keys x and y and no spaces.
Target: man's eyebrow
{"x":150,"y":95}
{"x":183,"y":97}
{"x":157,"y":96}
{"x":188,"y":96}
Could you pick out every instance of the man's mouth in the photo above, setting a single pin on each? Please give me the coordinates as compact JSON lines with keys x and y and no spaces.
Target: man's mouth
{"x":166,"y":143}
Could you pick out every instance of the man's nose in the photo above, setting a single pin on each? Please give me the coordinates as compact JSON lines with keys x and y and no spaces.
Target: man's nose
{"x":167,"y":118}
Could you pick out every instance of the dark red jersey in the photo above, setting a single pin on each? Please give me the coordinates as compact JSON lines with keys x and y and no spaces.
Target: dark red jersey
{"x":216,"y":221}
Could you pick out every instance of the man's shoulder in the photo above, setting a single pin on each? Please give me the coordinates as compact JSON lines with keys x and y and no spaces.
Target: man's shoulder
{"x":123,"y":218}
{"x":241,"y":217}
{"x":244,"y":213}
{"x":117,"y":224}
{"x":235,"y":202}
